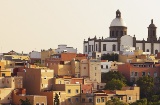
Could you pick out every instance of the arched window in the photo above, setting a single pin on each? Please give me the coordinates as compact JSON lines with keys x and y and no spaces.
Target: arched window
{"x":156,"y":51}
{"x":113,"y":47}
{"x":116,"y":33}
{"x":147,"y":50}
{"x":112,"y":33}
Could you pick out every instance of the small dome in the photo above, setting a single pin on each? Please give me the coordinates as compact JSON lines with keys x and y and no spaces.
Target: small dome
{"x":152,"y":25}
{"x":118,"y":22}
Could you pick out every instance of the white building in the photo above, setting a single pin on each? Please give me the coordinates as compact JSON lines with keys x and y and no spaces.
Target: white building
{"x":118,"y":38}
{"x":63,"y":48}
{"x":105,"y":66}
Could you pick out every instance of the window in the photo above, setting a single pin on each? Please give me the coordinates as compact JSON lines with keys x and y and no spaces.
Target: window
{"x":143,"y":73}
{"x":77,"y":91}
{"x":101,"y":66}
{"x":3,"y":74}
{"x":90,"y":100}
{"x":98,"y":100}
{"x":82,"y":91}
{"x":89,"y":50}
{"x":148,"y":73}
{"x":69,"y":90}
{"x":85,"y":48}
{"x":102,"y":99}
{"x":116,"y":33}
{"x":113,"y":47}
{"x":84,"y":67}
{"x":156,"y":51}
{"x":129,"y":98}
{"x":155,"y":74}
{"x":112,"y":33}
{"x":92,"y":48}
{"x":96,"y":47}
{"x":132,"y":73}
{"x":104,"y":47}
{"x":106,"y":66}
{"x":147,"y":50}
{"x":95,"y":74}
{"x":37,"y":103}
{"x":77,"y":100}
{"x":42,"y":103}
{"x":69,"y":99}
{"x":83,"y":99}
{"x":136,"y":74}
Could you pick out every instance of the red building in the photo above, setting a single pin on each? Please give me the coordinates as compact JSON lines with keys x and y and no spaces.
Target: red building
{"x":132,"y":71}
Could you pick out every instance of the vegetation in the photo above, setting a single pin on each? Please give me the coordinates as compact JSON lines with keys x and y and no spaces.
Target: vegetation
{"x":110,"y":57}
{"x":106,"y":77}
{"x":114,"y":80}
{"x":115,"y":84}
{"x":56,"y":99}
{"x":25,"y":102}
{"x":115,"y":101}
{"x":146,"y":85}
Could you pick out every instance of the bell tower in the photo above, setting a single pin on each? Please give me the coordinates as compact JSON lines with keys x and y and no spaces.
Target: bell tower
{"x":152,"y":32}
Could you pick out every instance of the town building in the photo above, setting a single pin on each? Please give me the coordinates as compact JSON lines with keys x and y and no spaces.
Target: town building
{"x":127,"y":95}
{"x":119,"y":39}
{"x":132,"y":71}
{"x":63,"y":48}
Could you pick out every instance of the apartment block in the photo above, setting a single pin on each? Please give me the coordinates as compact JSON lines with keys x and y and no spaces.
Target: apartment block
{"x":132,"y":71}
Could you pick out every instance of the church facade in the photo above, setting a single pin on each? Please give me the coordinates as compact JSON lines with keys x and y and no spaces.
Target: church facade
{"x":118,"y":38}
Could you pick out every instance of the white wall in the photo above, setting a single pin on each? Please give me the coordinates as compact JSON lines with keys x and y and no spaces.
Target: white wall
{"x":140,"y":45}
{"x":104,"y":69}
{"x":147,"y":46}
{"x":108,"y":47}
{"x":61,"y":48}
{"x":35,"y":54}
{"x":126,"y":40}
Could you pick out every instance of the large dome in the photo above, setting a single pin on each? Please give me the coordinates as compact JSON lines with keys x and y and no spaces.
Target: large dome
{"x":118,"y":21}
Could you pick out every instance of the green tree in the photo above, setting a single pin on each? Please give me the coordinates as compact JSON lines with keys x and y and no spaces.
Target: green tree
{"x":114,"y":84}
{"x":110,"y":57}
{"x":56,"y":99}
{"x":25,"y":102}
{"x":106,"y":77}
{"x":146,"y":85}
{"x":140,"y":102}
{"x":115,"y":101}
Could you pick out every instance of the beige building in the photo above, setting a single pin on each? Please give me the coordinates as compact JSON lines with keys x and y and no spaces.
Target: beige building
{"x":46,"y":54}
{"x":38,"y":79}
{"x":7,"y":85}
{"x":127,"y":94}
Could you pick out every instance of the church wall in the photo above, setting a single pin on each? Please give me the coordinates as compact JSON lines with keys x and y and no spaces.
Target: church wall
{"x":126,"y":41}
{"x":156,"y":47}
{"x":92,"y":44}
{"x":85,"y":44}
{"x":108,"y":46}
{"x":97,"y":46}
{"x":140,"y":45}
{"x":147,"y":46}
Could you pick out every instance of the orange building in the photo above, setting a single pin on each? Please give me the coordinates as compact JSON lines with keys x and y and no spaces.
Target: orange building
{"x":132,"y":71}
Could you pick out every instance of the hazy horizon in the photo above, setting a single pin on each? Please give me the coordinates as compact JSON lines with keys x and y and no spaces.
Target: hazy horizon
{"x":35,"y":25}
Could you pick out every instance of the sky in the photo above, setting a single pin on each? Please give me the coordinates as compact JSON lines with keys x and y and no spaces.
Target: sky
{"x":27,"y":25}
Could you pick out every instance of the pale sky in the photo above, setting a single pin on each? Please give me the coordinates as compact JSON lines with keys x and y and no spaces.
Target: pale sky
{"x":27,"y":25}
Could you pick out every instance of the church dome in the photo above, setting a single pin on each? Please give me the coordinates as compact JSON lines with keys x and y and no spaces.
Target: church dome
{"x":118,"y":21}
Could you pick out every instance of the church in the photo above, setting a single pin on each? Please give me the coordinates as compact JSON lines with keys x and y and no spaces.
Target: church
{"x":118,"y":39}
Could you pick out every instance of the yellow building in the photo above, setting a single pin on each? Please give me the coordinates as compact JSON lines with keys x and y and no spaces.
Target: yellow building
{"x":127,"y":94}
{"x":46,"y":54}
